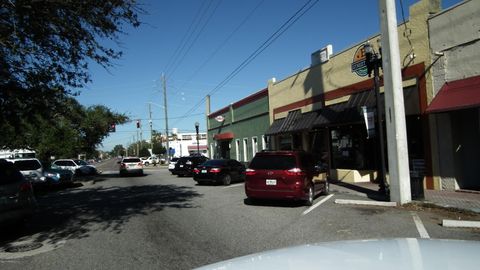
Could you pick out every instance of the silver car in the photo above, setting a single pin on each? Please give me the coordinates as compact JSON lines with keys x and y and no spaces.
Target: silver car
{"x":31,"y":168}
{"x":131,"y":165}
{"x":17,"y":200}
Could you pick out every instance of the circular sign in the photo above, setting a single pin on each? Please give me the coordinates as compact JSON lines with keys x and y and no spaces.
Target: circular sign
{"x":220,"y":118}
{"x":358,"y":64}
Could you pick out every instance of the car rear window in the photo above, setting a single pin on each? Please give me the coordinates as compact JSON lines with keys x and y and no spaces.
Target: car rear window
{"x":273,"y":162}
{"x":9,"y":173}
{"x":215,"y":162}
{"x":27,"y":165}
{"x":131,"y":160}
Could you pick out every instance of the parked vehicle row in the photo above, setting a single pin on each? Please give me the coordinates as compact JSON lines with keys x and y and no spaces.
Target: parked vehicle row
{"x":17,"y":200}
{"x":34,"y":171}
{"x":285,"y":175}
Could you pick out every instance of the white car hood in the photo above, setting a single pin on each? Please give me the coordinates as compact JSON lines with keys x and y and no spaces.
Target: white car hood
{"x":391,"y":254}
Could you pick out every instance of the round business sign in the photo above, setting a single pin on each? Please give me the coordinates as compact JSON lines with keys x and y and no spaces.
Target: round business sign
{"x":358,"y":64}
{"x":220,"y":118}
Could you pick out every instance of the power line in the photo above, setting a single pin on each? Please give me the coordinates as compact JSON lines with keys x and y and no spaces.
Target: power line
{"x":183,"y":41}
{"x":185,"y":53}
{"x":209,"y":58}
{"x":284,"y":27}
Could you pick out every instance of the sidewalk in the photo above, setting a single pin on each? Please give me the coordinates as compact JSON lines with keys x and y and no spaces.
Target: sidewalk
{"x":448,"y":199}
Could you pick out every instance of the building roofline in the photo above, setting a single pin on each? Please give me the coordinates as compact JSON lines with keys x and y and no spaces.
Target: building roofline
{"x":249,"y":99}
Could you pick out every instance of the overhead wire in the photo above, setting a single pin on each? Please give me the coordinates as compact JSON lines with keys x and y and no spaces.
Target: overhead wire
{"x":269,"y":41}
{"x":224,"y":42}
{"x":183,"y":40}
{"x":182,"y":58}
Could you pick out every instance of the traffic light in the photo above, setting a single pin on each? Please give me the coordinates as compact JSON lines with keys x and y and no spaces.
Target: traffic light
{"x":111,"y":128}
{"x":138,"y":123}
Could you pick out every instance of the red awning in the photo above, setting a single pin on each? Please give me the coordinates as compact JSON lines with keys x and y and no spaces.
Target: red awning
{"x":194,"y":147}
{"x":456,"y":95}
{"x":223,"y":136}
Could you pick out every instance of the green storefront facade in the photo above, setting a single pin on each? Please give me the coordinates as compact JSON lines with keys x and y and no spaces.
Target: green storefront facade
{"x":237,"y":131}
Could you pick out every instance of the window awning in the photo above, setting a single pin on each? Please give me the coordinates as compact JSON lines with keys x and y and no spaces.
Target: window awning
{"x":456,"y":95}
{"x":350,"y":112}
{"x":294,"y":122}
{"x":194,"y":147}
{"x":224,"y":136}
{"x":346,"y":112}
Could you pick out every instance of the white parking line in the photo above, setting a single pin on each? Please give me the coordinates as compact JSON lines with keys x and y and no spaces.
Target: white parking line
{"x":236,"y":185}
{"x":420,"y":228}
{"x":460,"y":223}
{"x":316,"y":205}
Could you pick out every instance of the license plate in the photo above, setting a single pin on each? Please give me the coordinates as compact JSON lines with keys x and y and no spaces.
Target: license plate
{"x":204,"y":171}
{"x":271,"y":182}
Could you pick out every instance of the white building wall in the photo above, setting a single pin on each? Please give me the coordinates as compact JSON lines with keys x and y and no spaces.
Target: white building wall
{"x":184,"y":140}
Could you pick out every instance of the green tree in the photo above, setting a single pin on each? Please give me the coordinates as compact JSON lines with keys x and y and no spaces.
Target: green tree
{"x":45,"y":51}
{"x":118,"y":150}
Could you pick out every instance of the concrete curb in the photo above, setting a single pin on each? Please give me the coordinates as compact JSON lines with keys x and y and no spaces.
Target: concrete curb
{"x":460,"y":223}
{"x":359,"y":202}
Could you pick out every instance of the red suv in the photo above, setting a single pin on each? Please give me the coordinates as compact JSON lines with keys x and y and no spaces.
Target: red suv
{"x":283,"y":175}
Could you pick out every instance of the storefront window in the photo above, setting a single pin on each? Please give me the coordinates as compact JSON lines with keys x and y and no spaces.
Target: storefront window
{"x":351,"y":149}
{"x":285,"y":142}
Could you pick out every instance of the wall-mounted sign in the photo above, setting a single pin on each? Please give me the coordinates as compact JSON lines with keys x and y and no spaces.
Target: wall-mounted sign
{"x":358,"y":64}
{"x":220,"y":118}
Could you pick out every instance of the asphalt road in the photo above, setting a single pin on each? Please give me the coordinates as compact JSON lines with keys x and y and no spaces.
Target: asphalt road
{"x":160,"y":221}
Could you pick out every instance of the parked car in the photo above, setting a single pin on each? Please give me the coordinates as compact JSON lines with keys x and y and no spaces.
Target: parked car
{"x":131,"y":165}
{"x":283,"y":175}
{"x":34,"y":171}
{"x":150,"y":160}
{"x":17,"y":200}
{"x":219,"y":171}
{"x":76,"y":166}
{"x":185,"y":165}
{"x":171,"y":166}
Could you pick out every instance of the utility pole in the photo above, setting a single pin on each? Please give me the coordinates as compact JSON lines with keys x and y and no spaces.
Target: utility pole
{"x":150,"y":121}
{"x":138,"y":144}
{"x":166,"y":116}
{"x":394,"y":106}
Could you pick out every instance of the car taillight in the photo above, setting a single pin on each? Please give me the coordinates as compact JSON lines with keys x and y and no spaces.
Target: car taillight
{"x":196,"y":171}
{"x":215,"y":170}
{"x":140,"y":164}
{"x":250,"y":172}
{"x":123,"y":165}
{"x":25,"y":187}
{"x":295,"y":172}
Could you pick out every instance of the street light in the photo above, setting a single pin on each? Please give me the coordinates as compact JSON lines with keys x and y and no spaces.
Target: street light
{"x":196,"y":129}
{"x":373,"y":61}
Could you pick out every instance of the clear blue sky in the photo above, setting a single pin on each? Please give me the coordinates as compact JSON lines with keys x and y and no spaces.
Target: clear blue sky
{"x":214,"y":49}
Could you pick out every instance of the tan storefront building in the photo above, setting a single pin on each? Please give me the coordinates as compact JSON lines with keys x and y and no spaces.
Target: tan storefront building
{"x":320,"y":109}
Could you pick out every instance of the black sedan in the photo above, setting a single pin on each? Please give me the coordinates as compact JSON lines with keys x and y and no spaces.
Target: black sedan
{"x":220,"y":171}
{"x":185,"y":165}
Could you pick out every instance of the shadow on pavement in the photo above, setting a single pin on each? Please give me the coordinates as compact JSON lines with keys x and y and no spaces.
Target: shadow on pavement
{"x":371,"y":193}
{"x":273,"y":203}
{"x":75,"y":213}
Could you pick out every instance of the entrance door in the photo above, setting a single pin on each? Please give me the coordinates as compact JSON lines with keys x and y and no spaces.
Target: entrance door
{"x":225,"y":149}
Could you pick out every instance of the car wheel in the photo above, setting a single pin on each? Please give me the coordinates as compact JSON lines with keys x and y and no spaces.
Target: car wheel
{"x":146,"y":164}
{"x":226,"y":179}
{"x":310,"y":194}
{"x":326,"y":188}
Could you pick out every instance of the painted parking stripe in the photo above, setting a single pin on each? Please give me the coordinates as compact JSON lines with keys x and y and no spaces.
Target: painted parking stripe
{"x":419,"y":224}
{"x":316,"y":205}
{"x":236,"y":185}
